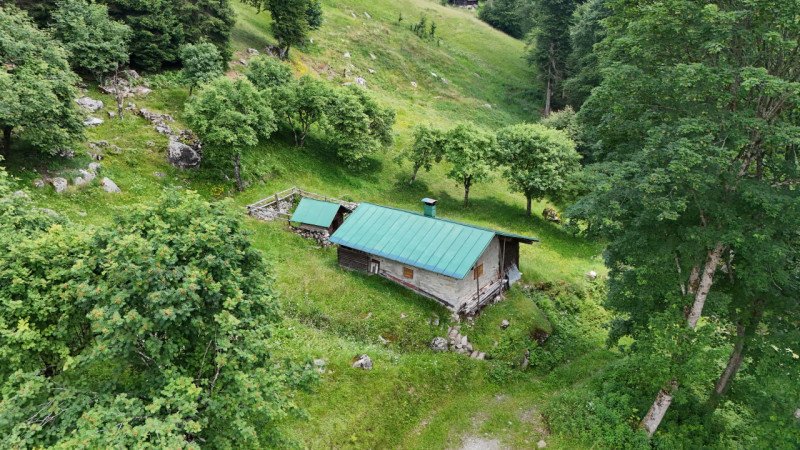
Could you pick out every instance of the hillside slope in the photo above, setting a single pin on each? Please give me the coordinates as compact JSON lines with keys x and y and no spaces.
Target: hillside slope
{"x":413,"y":398}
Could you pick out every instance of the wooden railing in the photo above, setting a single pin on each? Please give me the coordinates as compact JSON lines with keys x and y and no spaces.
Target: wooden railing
{"x":293,"y":193}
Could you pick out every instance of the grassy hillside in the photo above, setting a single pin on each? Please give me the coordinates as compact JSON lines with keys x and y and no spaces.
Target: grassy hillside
{"x":413,"y":398}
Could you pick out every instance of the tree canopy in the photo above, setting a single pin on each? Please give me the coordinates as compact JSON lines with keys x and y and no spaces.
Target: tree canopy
{"x":471,"y":152}
{"x":201,"y":63}
{"x":37,"y":87}
{"x":96,"y":44}
{"x":537,"y":160}
{"x":230,"y":115}
{"x":428,"y":148}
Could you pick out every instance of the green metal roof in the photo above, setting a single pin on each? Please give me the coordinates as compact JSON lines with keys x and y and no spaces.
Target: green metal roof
{"x":441,"y":246}
{"x":315,"y":212}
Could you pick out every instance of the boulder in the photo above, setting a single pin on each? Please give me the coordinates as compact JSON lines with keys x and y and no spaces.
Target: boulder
{"x":252,"y":51}
{"x":182,"y":156}
{"x":439,"y":344}
{"x":79,"y":181}
{"x":89,"y":103}
{"x":94,"y":167}
{"x":109,"y":186}
{"x":92,"y":121}
{"x":88,"y":175}
{"x":363,"y":362}
{"x":59,"y":184}
{"x":504,"y":324}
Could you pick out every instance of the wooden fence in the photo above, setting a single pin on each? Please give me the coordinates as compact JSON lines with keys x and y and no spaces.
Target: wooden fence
{"x":293,"y":194}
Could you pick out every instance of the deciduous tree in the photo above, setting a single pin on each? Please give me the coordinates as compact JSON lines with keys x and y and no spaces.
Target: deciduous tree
{"x":96,"y":43}
{"x":229,"y":116}
{"x":471,"y":151}
{"x":357,"y":124}
{"x":301,"y":104}
{"x":428,"y":148}
{"x":537,"y":160}
{"x":267,"y":73}
{"x":201,"y":63}
{"x":37,"y":87}
{"x":550,"y":47}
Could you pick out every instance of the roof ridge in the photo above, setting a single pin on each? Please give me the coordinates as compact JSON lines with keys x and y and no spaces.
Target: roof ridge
{"x":502,"y":233}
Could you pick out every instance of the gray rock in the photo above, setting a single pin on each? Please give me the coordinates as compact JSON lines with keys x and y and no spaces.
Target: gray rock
{"x":504,"y":324}
{"x":371,"y":70}
{"x":59,"y":184}
{"x":414,"y":84}
{"x":346,"y":54}
{"x":79,"y":181}
{"x":89,"y":104}
{"x":49,"y":212}
{"x":112,"y":114}
{"x":361,"y":81}
{"x":366,"y":14}
{"x":182,"y":156}
{"x":94,"y":167}
{"x":109,"y":186}
{"x":541,"y":443}
{"x":464,"y":340}
{"x":92,"y":121}
{"x":141,"y":90}
{"x":363,"y":362}
{"x":797,"y":414}
{"x":439,"y":344}
{"x":372,"y":56}
{"x":319,"y":365}
{"x":159,"y":174}
{"x":66,"y":153}
{"x":252,"y":51}
{"x":20,"y":194}
{"x":39,"y":183}
{"x":88,"y":175}
{"x":592,"y":275}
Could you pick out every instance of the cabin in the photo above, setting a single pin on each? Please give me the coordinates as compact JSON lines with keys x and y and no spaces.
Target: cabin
{"x":318,"y":216}
{"x":459,"y":265}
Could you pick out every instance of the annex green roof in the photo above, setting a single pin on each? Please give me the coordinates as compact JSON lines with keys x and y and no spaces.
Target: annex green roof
{"x":315,"y":212}
{"x":442,"y":246}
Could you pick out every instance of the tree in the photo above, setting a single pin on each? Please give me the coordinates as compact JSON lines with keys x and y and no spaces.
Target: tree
{"x":567,"y":121}
{"x":428,"y":148}
{"x":301,"y":104}
{"x":510,"y":16}
{"x":470,"y":150}
{"x":694,"y":124}
{"x":230,"y":115}
{"x":537,"y":160}
{"x":201,"y":63}
{"x":208,"y":21}
{"x":357,"y":125}
{"x":267,"y":73}
{"x":550,"y":47}
{"x":290,"y":21}
{"x":314,"y":14}
{"x":153,"y":332}
{"x":96,"y":44}
{"x":582,"y":63}
{"x":37,"y":87}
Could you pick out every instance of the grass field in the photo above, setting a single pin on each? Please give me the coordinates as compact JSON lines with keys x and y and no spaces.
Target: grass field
{"x":414,"y":398}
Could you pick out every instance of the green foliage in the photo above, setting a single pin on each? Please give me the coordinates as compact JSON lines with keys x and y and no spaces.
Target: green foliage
{"x":550,"y":47}
{"x":510,"y":16}
{"x":290,"y":21}
{"x":301,"y":104}
{"x":471,"y":152}
{"x":160,"y":28}
{"x":96,"y":44}
{"x":230,"y":115}
{"x":156,"y":331}
{"x":266,"y":73}
{"x":582,"y":63}
{"x":357,"y":125}
{"x":428,"y":148}
{"x":423,"y":30}
{"x":537,"y":160}
{"x":314,"y":14}
{"x":201,"y":63}
{"x":37,"y":87}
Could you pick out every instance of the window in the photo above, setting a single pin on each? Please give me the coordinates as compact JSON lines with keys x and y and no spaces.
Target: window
{"x":408,"y":273}
{"x":478,"y":271}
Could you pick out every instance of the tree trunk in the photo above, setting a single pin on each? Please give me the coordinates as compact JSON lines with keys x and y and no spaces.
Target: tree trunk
{"x":6,"y":150}
{"x":659,"y":409}
{"x":655,"y":415}
{"x":237,"y":172}
{"x":703,"y":288}
{"x":528,"y":209}
{"x":191,"y":88}
{"x":414,"y":175}
{"x":467,"y":183}
{"x":548,"y":95}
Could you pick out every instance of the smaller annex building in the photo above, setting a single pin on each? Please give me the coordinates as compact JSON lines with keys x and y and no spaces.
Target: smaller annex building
{"x":461,"y":266}
{"x":318,"y":215}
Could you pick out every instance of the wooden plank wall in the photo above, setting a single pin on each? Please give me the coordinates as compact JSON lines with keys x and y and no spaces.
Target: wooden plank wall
{"x":351,"y":258}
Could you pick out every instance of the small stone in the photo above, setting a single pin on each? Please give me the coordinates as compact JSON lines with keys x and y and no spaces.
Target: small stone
{"x":354,"y":15}
{"x":797,"y":414}
{"x":94,"y":167}
{"x":361,"y":81}
{"x":252,"y":51}
{"x":371,"y":70}
{"x":346,"y":54}
{"x":434,"y":321}
{"x":66,"y":153}
{"x":79,"y":181}
{"x":159,"y":174}
{"x":504,"y":324}
{"x":439,"y":344}
{"x":414,"y":84}
{"x":141,"y":90}
{"x":88,"y":175}
{"x":592,"y":275}
{"x":383,"y":340}
{"x":541,"y":443}
{"x":464,"y":340}
{"x":363,"y":362}
{"x":481,"y":356}
{"x":82,"y":213}
{"x":59,"y":184}
{"x":473,"y":355}
{"x":20,"y":194}
{"x":487,"y":106}
{"x":92,"y":121}
{"x":112,"y":114}
{"x":433,"y":74}
{"x":38,"y":183}
{"x":319,"y":365}
{"x":243,"y":62}
{"x":109,"y":186}
{"x":366,"y":14}
{"x":372,"y":56}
